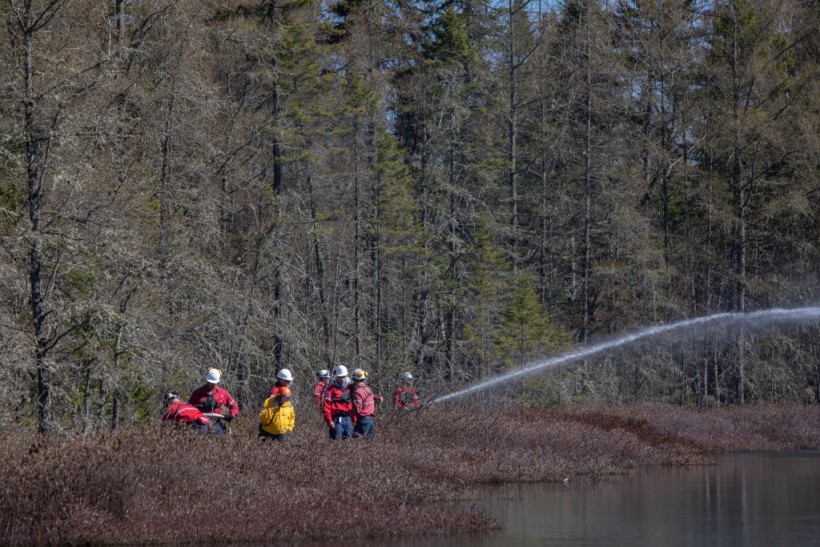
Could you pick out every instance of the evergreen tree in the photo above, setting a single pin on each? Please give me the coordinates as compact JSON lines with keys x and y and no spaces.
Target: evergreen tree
{"x":525,"y":329}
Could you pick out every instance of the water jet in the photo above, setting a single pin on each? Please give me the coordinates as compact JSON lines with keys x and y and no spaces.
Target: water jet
{"x":778,"y":315}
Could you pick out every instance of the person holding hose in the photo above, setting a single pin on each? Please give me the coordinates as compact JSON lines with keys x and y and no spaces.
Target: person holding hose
{"x":210,"y":398}
{"x":184,"y":413}
{"x":406,"y":395}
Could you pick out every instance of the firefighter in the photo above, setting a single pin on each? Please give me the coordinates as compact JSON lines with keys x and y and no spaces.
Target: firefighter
{"x":184,"y":413}
{"x":406,"y":395}
{"x":364,"y":406}
{"x":283,"y":379}
{"x":210,"y":398}
{"x":323,"y":379}
{"x":277,"y":419}
{"x":337,"y":405}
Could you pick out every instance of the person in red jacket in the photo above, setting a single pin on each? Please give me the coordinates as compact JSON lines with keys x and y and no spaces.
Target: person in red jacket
{"x":184,"y":413}
{"x":337,"y":405}
{"x":406,"y":395}
{"x":320,"y":386}
{"x":210,"y":399}
{"x":364,"y":406}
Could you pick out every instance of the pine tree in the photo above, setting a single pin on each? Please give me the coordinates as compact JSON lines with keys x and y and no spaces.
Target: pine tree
{"x":525,"y":327}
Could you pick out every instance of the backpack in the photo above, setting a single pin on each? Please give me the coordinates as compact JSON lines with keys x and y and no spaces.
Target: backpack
{"x":268,"y":412}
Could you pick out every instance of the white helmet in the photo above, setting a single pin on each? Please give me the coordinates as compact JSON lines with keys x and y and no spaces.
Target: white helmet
{"x":340,"y":371}
{"x":285,"y":374}
{"x":359,"y":375}
{"x":213,"y":376}
{"x":407,"y":376}
{"x":170,"y":397}
{"x":324,"y":373}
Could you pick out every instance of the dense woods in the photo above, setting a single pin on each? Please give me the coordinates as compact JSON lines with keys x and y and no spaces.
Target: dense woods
{"x":448,"y":187}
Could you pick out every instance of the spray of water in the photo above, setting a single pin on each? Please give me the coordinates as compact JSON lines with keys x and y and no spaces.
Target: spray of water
{"x":758,"y":317}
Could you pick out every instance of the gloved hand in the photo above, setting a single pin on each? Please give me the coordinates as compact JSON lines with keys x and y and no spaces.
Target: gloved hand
{"x":227,"y":417}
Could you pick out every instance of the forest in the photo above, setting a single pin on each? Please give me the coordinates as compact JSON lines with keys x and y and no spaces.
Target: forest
{"x":448,"y":187}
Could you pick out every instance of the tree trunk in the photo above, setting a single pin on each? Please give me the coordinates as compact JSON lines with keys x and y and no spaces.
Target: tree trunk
{"x":86,"y":408}
{"x":450,"y":319}
{"x":320,"y":269}
{"x":587,"y":311}
{"x":512,"y":152}
{"x":119,"y":16}
{"x":739,"y":206}
{"x":376,"y":259}
{"x":36,"y":142}
{"x":357,"y":215}
{"x":115,"y":408}
{"x":278,"y":175}
{"x":165,"y":183}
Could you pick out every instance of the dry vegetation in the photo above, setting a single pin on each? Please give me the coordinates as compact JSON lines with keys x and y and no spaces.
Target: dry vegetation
{"x":158,"y":484}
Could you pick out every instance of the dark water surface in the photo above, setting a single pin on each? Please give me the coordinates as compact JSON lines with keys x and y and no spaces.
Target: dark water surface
{"x":767,"y":499}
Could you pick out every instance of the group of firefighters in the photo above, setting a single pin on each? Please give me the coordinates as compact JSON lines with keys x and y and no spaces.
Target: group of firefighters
{"x":347,"y":404}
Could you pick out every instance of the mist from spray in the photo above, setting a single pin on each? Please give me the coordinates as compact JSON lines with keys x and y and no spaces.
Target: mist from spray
{"x":759,"y":317}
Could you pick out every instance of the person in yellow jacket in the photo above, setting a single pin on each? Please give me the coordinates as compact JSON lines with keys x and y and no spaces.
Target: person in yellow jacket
{"x":277,"y":418}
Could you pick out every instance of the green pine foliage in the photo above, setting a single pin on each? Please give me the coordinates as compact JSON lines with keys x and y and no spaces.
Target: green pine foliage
{"x":525,"y":328}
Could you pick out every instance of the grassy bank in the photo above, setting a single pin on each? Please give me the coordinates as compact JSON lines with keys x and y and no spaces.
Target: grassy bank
{"x":159,"y":484}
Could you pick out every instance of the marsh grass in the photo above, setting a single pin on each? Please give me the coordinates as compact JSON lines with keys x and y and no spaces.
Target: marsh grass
{"x":164,"y":485}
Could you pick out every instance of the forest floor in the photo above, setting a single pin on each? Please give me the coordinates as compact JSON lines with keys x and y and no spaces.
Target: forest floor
{"x":160,"y":484}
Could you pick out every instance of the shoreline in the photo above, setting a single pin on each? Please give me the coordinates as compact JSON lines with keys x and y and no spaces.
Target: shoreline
{"x":155,"y":484}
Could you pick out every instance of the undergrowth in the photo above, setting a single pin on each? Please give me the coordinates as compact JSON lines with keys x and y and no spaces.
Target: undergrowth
{"x":161,"y":484}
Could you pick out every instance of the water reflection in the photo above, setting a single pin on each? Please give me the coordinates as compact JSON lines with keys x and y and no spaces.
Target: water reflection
{"x":745,"y":499}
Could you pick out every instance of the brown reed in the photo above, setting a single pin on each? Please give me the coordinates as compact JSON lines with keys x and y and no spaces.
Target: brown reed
{"x":160,"y":484}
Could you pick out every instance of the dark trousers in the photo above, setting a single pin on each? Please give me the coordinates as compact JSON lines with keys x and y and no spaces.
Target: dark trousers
{"x":218,"y":426}
{"x":342,"y":427}
{"x":264,"y":435}
{"x":199,"y":428}
{"x":365,"y":427}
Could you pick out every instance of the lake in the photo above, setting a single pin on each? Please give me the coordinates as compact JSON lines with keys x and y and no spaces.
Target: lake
{"x":768,"y":499}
